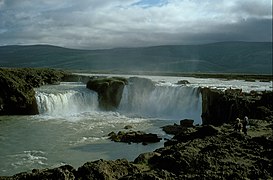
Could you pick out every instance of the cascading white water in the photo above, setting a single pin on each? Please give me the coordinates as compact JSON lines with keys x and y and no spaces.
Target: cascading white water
{"x":140,"y":99}
{"x":66,"y":99}
{"x":164,"y":102}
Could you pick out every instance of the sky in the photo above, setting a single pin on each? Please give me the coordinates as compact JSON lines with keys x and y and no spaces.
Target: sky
{"x":103,"y":24}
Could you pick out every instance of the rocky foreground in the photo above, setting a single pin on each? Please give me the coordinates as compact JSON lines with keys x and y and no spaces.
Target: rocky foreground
{"x":199,"y":152}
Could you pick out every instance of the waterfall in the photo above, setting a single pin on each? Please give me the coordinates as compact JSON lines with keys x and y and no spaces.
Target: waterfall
{"x":140,"y":98}
{"x":66,"y":99}
{"x":163,"y":101}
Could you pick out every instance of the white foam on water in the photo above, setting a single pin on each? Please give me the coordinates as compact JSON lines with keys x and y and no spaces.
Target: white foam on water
{"x":162,"y":102}
{"x":29,"y":158}
{"x":68,"y":99}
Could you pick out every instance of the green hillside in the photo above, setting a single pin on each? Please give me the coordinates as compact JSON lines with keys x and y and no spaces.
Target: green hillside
{"x":225,"y":57}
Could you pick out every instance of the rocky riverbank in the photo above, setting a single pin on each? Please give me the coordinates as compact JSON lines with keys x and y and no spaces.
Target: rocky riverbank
{"x":198,"y":152}
{"x":17,"y":96}
{"x":220,"y":107}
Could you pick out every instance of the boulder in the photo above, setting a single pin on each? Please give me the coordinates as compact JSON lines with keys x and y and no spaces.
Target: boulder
{"x":145,"y":158}
{"x":128,"y":127}
{"x":102,"y":169}
{"x":134,"y":136}
{"x":176,"y":129}
{"x":200,"y":133}
{"x":109,"y":91}
{"x":187,"y":123}
{"x":183,"y":82}
{"x":172,"y":129}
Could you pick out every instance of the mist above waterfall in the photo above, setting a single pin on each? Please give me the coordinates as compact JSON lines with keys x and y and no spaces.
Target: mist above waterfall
{"x":144,"y":98}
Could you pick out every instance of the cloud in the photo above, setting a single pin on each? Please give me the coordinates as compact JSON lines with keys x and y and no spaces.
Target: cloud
{"x":114,"y":23}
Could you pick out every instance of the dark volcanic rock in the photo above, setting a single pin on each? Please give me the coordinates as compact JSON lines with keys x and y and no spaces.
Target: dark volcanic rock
{"x":134,"y":136}
{"x":109,"y":91}
{"x":183,"y":82}
{"x":145,"y":158}
{"x":64,"y":172}
{"x":186,"y":123}
{"x":201,"y":132}
{"x":220,"y":107}
{"x":173,"y":129}
{"x":17,"y":96}
{"x":217,"y":156}
{"x":101,"y":169}
{"x":157,"y":174}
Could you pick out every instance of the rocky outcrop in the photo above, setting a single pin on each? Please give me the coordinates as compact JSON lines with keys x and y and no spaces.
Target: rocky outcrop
{"x":17,"y":96}
{"x":102,"y":169}
{"x":185,"y":124}
{"x":64,"y":172}
{"x":109,"y":91}
{"x":134,"y":136}
{"x":220,"y":107}
{"x":183,"y":82}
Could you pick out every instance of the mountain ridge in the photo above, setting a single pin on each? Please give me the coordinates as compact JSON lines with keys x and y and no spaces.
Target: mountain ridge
{"x":221,"y":57}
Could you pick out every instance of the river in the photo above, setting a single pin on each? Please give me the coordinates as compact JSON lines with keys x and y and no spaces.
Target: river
{"x":71,"y":129}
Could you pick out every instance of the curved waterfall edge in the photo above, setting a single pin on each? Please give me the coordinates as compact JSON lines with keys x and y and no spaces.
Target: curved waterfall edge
{"x":160,"y":102}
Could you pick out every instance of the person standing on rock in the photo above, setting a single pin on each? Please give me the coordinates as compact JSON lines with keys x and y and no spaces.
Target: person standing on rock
{"x":245,"y":123}
{"x":238,"y":126}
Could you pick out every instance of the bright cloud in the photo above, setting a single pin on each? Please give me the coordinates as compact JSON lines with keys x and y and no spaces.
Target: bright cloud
{"x":118,"y":23}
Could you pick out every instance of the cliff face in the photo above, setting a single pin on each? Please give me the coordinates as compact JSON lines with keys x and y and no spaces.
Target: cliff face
{"x":109,"y":91}
{"x":220,"y":107}
{"x":17,"y":96}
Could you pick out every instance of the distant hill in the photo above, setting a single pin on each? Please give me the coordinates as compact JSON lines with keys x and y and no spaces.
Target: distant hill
{"x":225,"y":57}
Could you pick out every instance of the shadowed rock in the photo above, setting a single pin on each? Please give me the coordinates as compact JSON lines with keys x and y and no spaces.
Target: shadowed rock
{"x":183,"y":82}
{"x":220,"y":107}
{"x":109,"y":91}
{"x":186,"y":123}
{"x":64,"y":172}
{"x":17,"y":95}
{"x":134,"y":136}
